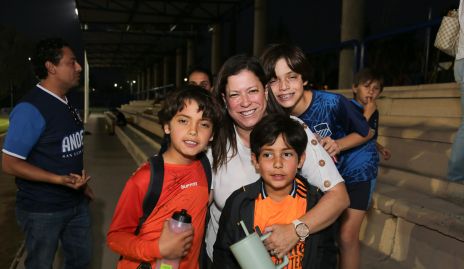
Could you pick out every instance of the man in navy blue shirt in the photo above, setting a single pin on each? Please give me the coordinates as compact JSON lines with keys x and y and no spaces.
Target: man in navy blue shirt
{"x":43,"y":149}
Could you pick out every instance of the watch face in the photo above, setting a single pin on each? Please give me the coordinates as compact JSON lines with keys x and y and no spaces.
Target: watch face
{"x":302,"y":230}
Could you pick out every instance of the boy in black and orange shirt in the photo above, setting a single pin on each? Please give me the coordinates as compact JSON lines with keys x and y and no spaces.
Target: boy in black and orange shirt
{"x":280,"y":196}
{"x":189,"y":117}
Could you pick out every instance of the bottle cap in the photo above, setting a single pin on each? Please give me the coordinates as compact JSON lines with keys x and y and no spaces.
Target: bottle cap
{"x":182,"y":216}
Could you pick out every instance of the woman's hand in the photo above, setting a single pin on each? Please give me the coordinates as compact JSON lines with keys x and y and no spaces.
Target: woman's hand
{"x":282,"y":240}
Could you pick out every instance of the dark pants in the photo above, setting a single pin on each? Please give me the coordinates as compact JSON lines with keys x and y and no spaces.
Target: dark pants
{"x":43,"y":231}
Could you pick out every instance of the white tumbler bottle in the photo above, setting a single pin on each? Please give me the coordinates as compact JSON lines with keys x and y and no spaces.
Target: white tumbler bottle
{"x":180,"y":221}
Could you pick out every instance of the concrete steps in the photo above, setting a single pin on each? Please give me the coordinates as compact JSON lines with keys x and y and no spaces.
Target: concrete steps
{"x":433,"y":187}
{"x":417,"y":217}
{"x":138,"y":144}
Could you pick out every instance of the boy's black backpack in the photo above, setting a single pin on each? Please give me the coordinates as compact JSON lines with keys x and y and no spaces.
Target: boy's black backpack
{"x":156,"y":184}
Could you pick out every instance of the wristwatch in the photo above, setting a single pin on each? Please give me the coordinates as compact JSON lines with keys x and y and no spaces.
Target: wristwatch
{"x":301,"y":229}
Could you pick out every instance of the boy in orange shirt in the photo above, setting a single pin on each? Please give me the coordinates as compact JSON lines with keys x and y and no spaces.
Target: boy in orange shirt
{"x":190,"y":117}
{"x":280,"y":196}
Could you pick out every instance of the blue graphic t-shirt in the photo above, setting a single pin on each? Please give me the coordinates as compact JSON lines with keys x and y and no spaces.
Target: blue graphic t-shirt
{"x":331,"y":114}
{"x":44,"y":132}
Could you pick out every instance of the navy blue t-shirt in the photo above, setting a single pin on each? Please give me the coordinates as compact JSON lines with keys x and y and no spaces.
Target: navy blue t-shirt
{"x":44,"y":132}
{"x":373,"y":120}
{"x":331,"y":114}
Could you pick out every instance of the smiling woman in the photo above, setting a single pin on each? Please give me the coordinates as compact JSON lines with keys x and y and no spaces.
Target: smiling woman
{"x":240,"y":87}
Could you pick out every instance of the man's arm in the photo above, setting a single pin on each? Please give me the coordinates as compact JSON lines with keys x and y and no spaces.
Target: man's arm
{"x":20,"y":168}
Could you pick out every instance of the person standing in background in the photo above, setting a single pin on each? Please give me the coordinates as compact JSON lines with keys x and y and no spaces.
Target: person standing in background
{"x":456,"y":162}
{"x":44,"y":150}
{"x":200,"y":77}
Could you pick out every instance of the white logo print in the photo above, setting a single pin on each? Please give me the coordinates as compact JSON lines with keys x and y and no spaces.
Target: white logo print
{"x":323,"y":130}
{"x":185,"y":186}
{"x":72,"y":142}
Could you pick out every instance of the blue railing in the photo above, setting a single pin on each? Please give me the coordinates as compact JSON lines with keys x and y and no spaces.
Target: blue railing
{"x":426,"y":25}
{"x":360,"y":47}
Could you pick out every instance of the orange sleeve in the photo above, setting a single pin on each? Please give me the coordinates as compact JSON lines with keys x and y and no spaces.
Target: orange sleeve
{"x":121,"y":237}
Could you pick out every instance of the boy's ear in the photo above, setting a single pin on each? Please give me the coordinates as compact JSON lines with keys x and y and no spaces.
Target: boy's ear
{"x":302,"y":160}
{"x":254,"y":160}
{"x":166,"y":128}
{"x":354,"y":88}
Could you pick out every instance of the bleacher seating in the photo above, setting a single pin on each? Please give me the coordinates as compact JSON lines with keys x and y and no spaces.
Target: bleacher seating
{"x":417,"y":216}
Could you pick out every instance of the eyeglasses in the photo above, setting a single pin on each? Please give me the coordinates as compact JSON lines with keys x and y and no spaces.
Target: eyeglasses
{"x":75,"y":114}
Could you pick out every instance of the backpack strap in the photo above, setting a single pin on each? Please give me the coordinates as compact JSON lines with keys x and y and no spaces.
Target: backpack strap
{"x":156,"y":184}
{"x":154,"y":188}
{"x":207,"y":167}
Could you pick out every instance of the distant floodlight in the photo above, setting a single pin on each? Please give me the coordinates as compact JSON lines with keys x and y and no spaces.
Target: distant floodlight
{"x":185,"y":79}
{"x":210,"y":28}
{"x":128,"y":28}
{"x":133,"y":81}
{"x":115,"y":85}
{"x":93,"y":89}
{"x":76,"y":11}
{"x":173,"y":27}
{"x":29,"y":58}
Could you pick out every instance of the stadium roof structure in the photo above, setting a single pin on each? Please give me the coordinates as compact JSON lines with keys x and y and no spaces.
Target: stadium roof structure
{"x":133,"y":34}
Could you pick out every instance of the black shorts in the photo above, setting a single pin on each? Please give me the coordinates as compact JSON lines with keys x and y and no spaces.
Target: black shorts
{"x":360,"y":194}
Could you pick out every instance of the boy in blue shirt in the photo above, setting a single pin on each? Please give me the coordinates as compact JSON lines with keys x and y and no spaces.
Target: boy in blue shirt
{"x":343,"y":131}
{"x":367,"y":87}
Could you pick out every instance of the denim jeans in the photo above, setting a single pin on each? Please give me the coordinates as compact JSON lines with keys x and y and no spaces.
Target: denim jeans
{"x":43,"y":231}
{"x":456,"y":162}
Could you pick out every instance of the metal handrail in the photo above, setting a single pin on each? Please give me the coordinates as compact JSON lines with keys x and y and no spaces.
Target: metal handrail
{"x":359,"y":46}
{"x":158,"y":92}
{"x":413,"y":28}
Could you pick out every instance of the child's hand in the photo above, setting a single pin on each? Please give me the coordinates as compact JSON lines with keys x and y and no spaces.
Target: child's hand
{"x":174,"y":245}
{"x":386,"y":153}
{"x":370,"y":107}
{"x":330,"y":146}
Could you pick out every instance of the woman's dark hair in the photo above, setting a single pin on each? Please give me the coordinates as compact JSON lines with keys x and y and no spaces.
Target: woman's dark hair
{"x":47,"y":50}
{"x":293,"y":55}
{"x":176,"y":101}
{"x":226,"y":139}
{"x":271,"y":126}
